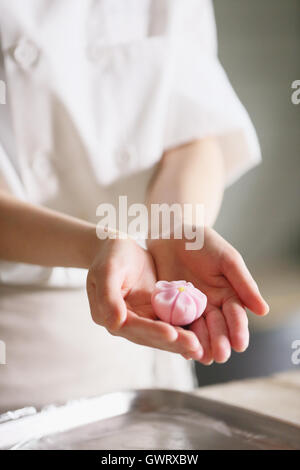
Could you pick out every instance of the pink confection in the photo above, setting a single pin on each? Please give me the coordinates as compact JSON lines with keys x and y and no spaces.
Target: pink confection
{"x":178,"y":302}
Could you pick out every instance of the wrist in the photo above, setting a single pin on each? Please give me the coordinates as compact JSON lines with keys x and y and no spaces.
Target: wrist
{"x":97,"y":240}
{"x":88,"y":246}
{"x":187,"y":236}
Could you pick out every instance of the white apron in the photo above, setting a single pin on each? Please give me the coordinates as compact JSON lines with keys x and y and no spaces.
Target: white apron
{"x":55,"y":353}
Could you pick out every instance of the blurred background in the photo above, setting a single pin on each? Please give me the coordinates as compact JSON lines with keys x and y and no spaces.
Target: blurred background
{"x":259,"y":47}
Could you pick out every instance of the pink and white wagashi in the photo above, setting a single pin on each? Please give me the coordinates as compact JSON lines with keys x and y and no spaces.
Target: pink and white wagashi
{"x":178,"y":302}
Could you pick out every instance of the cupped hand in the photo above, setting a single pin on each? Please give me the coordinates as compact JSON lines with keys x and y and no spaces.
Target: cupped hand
{"x":119,"y":286}
{"x":220,"y":272}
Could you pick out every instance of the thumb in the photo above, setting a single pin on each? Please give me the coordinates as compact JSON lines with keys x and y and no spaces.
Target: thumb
{"x":110,"y":303}
{"x":243,"y":283}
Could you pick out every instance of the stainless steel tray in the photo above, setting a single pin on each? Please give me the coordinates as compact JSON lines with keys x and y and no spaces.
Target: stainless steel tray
{"x":152,"y":419}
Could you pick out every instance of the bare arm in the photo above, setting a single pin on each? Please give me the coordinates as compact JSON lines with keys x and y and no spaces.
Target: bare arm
{"x":36,"y":235}
{"x":32,"y":234}
{"x":121,"y":274}
{"x":192,"y":173}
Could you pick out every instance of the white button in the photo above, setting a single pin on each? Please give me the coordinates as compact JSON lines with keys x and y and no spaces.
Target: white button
{"x":122,"y":159}
{"x":26,"y":53}
{"x":119,"y":157}
{"x":127,"y":157}
{"x":97,"y":53}
{"x":132,"y":155}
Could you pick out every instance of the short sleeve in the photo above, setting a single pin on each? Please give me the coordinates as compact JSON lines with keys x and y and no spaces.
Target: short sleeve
{"x":202,"y":101}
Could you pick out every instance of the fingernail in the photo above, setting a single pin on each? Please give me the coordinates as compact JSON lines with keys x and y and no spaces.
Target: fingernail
{"x":267,"y":307}
{"x":188,"y":358}
{"x":208,"y":363}
{"x":198,"y":355}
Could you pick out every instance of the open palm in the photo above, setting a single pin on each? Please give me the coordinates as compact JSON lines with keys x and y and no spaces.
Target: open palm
{"x":219,"y":271}
{"x":119,"y":286}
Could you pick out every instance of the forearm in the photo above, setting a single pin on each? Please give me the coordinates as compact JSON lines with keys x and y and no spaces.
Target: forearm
{"x":36,"y":235}
{"x":193,"y":174}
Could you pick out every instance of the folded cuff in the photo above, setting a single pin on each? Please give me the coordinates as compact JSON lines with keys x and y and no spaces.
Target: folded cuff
{"x":203,"y":103}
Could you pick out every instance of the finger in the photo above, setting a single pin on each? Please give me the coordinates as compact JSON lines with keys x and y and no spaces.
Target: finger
{"x":161,"y":335}
{"x":91,"y":292}
{"x":200,"y":329}
{"x":112,"y":311}
{"x":196,"y":356}
{"x":190,"y":344}
{"x":152,"y":333}
{"x":243,"y":283}
{"x":237,"y":324}
{"x":143,"y":327}
{"x":218,"y":333}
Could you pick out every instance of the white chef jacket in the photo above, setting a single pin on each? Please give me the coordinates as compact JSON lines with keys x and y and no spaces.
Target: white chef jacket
{"x":96,"y":92}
